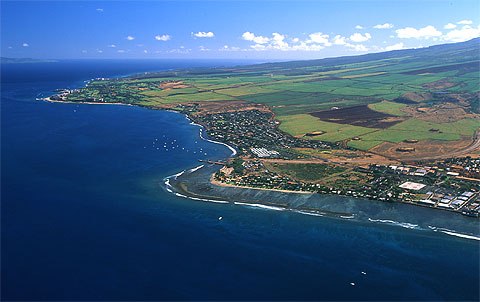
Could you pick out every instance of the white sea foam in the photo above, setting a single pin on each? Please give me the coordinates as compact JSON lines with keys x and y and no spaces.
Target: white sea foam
{"x":177,"y":175}
{"x":260,"y":206}
{"x":180,"y":195}
{"x":209,"y":200}
{"x":195,"y":169}
{"x":348,"y":217}
{"x":234,"y":152}
{"x":392,"y":222}
{"x":452,"y":233}
{"x":308,"y":213}
{"x":461,"y":235}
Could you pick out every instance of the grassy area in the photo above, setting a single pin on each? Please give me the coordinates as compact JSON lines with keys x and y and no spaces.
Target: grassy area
{"x":295,"y":89}
{"x":306,"y":172}
{"x":305,"y":123}
{"x":364,"y":145}
{"x":388,"y":107}
{"x":465,"y":127}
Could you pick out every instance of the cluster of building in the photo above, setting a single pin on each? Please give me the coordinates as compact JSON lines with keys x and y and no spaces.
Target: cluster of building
{"x":254,"y":129}
{"x":262,"y":152}
{"x":424,"y":186}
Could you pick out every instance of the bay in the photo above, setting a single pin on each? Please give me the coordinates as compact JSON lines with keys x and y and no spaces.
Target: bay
{"x":85,"y":214}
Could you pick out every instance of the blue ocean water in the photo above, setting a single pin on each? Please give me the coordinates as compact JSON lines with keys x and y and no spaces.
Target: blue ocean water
{"x":84,"y":215}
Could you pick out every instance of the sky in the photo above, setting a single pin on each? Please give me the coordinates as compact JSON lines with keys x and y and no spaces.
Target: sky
{"x":230,"y":29}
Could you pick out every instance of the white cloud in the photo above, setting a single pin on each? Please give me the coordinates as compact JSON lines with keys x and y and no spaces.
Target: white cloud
{"x":257,"y":39}
{"x":99,"y":51}
{"x":465,"y":22}
{"x":140,"y":45}
{"x":130,"y":38}
{"x":459,"y":35}
{"x":426,"y":32}
{"x":10,"y":47}
{"x":359,"y":27}
{"x":258,"y":47}
{"x":25,"y":45}
{"x":145,"y":51}
{"x":112,"y":45}
{"x":84,"y":51}
{"x":360,"y":47}
{"x":357,"y":37}
{"x":229,"y":48}
{"x":395,"y":47}
{"x":383,"y":26}
{"x":203,"y":48}
{"x":319,"y":38}
{"x":202,"y":34}
{"x":162,"y":37}
{"x":99,"y":9}
{"x":314,"y":42}
{"x":279,"y":43}
{"x":180,"y":50}
{"x":307,"y":47}
{"x":121,"y":51}
{"x":339,"y":40}
{"x":450,"y":26}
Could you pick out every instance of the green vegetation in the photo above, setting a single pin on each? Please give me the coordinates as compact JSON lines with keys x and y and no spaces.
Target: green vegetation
{"x":465,"y":127}
{"x":304,"y":123}
{"x":307,"y":172}
{"x":388,"y":107}
{"x":293,"y":90}
{"x":363,"y":145}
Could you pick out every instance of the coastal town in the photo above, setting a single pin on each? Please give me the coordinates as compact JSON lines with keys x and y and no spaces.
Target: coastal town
{"x":269,"y":158}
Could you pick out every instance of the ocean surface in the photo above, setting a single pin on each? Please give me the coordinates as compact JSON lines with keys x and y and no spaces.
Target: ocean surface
{"x":85,"y":214}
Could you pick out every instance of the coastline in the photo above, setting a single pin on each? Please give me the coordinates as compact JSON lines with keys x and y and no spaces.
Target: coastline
{"x":196,"y":184}
{"x":222,"y":184}
{"x":234,"y":152}
{"x":49,"y":99}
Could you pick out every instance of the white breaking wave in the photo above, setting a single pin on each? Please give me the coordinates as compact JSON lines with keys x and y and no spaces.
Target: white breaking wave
{"x":195,"y":169}
{"x":234,"y":152}
{"x":308,"y":213}
{"x":392,"y":222}
{"x":209,"y":200}
{"x":453,"y":233}
{"x":260,"y":206}
{"x":461,"y":235}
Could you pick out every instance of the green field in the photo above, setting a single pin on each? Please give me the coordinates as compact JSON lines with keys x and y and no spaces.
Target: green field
{"x":295,"y":89}
{"x":304,"y":123}
{"x":306,"y":172}
{"x":388,"y":107}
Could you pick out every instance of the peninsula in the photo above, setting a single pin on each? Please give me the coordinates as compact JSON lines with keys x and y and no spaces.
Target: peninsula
{"x":399,"y":126}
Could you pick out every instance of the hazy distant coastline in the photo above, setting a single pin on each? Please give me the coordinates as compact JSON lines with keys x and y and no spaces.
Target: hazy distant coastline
{"x":4,"y":60}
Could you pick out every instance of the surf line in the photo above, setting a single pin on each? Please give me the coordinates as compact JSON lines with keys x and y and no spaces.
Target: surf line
{"x":234,"y":151}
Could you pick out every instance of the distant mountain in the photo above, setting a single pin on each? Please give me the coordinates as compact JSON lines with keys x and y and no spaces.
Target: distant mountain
{"x":4,"y":60}
{"x":442,"y":54}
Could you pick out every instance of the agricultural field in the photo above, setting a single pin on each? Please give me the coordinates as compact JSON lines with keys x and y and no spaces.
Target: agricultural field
{"x":306,"y":172}
{"x":361,"y":102}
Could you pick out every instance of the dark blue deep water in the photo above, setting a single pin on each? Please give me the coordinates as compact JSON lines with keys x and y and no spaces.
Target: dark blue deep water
{"x":84,"y":215}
